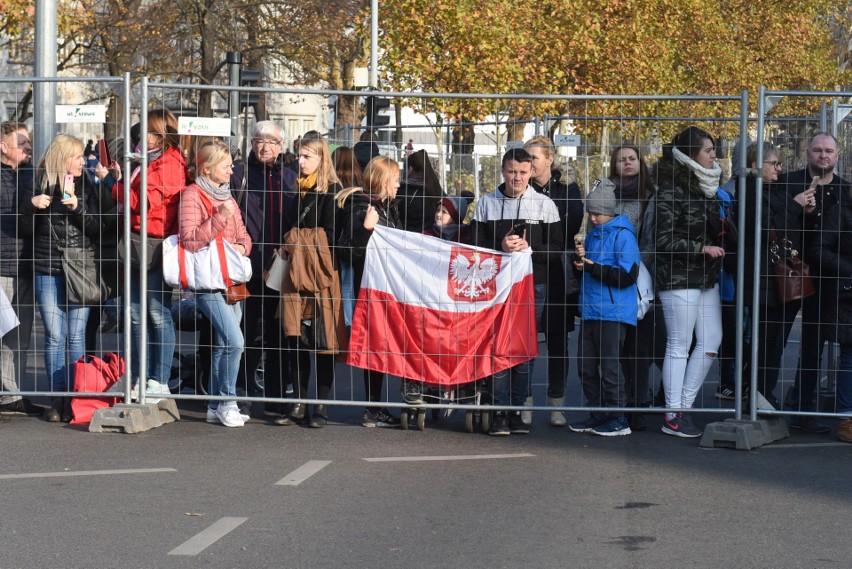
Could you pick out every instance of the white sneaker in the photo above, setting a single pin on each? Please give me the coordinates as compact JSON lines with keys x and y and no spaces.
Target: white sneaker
{"x":212,"y":418}
{"x":155,"y":388}
{"x":134,"y":393}
{"x":229,"y":415}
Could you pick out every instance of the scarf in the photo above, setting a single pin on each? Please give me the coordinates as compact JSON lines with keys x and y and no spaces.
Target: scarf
{"x":306,"y":183}
{"x":448,"y":231}
{"x":626,"y":188}
{"x":708,"y":179}
{"x":220,"y":193}
{"x":152,"y":156}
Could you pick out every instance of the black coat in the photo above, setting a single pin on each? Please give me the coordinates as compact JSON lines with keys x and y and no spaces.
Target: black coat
{"x":416,"y":209}
{"x":826,"y":197}
{"x":267,"y":202}
{"x":778,"y":212}
{"x":833,"y":248}
{"x":15,"y":243}
{"x":353,"y":238}
{"x":56,"y":227}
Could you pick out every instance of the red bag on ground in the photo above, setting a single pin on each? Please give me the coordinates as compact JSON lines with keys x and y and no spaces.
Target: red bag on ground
{"x":94,"y":375}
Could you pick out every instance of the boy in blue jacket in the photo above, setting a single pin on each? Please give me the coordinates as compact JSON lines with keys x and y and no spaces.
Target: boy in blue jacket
{"x":609,"y":260}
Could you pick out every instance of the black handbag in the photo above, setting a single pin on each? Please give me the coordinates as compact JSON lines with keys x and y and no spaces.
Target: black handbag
{"x":83,"y":285}
{"x":153,"y":252}
{"x":313,"y":333}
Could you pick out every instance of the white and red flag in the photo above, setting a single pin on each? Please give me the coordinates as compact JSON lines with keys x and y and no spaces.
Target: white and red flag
{"x":440,"y":312}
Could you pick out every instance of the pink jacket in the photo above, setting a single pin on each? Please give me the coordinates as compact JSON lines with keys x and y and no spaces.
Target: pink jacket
{"x":201,"y":222}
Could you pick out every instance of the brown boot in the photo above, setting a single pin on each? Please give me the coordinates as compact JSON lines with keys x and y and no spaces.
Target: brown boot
{"x":844,"y":431}
{"x":54,"y":414}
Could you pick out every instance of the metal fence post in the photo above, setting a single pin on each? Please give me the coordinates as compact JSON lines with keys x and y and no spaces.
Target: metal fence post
{"x":234,"y":59}
{"x":44,"y":100}
{"x":143,"y":232}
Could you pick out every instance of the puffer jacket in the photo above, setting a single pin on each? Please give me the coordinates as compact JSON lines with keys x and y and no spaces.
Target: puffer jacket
{"x":686,"y":222}
{"x":56,"y":227}
{"x":832,"y":248}
{"x":608,"y":290}
{"x":15,"y":184}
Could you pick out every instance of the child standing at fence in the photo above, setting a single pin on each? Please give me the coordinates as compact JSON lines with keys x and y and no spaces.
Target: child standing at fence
{"x":609,"y":262}
{"x":448,"y":220}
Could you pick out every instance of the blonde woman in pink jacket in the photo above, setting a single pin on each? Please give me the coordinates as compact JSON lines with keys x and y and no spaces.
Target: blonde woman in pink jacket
{"x":208,"y":211}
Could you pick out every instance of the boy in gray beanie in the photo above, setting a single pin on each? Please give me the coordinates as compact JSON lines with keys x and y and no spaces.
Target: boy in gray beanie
{"x":608,"y":259}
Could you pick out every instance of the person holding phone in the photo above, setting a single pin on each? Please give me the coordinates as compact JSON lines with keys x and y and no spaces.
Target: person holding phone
{"x":62,"y":212}
{"x":515,"y":217}
{"x":166,"y":180}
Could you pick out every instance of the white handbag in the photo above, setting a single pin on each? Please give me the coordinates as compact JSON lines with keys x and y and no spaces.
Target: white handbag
{"x":213,"y":267}
{"x":644,"y":291}
{"x":276,"y":273}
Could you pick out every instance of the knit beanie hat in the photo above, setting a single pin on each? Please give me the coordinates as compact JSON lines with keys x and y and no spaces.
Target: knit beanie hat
{"x":601,"y":200}
{"x":456,"y":206}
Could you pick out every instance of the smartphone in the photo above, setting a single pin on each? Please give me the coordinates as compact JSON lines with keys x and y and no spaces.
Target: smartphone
{"x":68,"y":187}
{"x":104,"y":156}
{"x":519,"y":229}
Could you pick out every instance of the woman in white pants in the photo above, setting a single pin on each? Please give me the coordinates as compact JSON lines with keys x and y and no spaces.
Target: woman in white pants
{"x":690,"y":239}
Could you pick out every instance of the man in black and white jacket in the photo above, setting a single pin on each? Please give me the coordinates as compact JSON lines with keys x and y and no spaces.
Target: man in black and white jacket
{"x":512,"y":218}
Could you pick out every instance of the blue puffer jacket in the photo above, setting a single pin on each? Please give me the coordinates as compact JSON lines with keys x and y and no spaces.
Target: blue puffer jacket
{"x":608,"y":290}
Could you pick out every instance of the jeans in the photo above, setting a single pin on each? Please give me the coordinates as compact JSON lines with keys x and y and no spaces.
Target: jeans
{"x":844,"y":381}
{"x":161,"y":327}
{"x":511,"y":386}
{"x":64,"y":330}
{"x":228,"y":342}
{"x":15,"y":344}
{"x":688,"y":312}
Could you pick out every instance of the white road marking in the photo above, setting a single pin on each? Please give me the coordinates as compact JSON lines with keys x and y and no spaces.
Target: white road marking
{"x":209,"y":536}
{"x":449,"y":457}
{"x":807,"y":445}
{"x":303,"y":473}
{"x":85,"y":473}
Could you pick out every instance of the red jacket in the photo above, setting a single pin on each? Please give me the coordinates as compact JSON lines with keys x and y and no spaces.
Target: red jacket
{"x":166,"y":179}
{"x":198,"y":227}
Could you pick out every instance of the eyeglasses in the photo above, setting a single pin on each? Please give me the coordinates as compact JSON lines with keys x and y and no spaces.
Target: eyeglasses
{"x":774,"y":163}
{"x":265,"y":142}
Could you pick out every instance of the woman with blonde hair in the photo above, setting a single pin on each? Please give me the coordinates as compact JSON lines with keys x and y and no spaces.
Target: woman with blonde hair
{"x":208,"y":211}
{"x":317,"y":184}
{"x":64,"y":214}
{"x":363,"y":209}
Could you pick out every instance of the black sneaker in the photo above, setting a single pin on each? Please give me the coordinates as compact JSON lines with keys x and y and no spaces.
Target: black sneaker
{"x":500,"y":425}
{"x":379,"y":418}
{"x":594,"y":420}
{"x":411,"y":392}
{"x":680,"y":426}
{"x":725,"y":393}
{"x":517,"y":425}
{"x":809,"y":425}
{"x":21,"y":407}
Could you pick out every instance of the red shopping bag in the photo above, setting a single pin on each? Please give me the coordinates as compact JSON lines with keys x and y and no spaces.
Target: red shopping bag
{"x":93,"y":374}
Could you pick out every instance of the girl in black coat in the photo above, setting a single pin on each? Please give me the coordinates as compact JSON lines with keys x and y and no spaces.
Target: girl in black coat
{"x":363,"y":209}
{"x":317,"y":185}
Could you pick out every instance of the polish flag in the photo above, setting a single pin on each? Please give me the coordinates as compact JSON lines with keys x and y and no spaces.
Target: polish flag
{"x":440,"y":312}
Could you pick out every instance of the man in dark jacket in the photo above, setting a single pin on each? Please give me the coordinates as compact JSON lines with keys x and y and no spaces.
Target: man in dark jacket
{"x":817,"y":176}
{"x":263,"y":188}
{"x":16,"y":271}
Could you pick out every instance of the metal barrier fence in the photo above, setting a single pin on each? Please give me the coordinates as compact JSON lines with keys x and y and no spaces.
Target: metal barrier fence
{"x":592,"y":116}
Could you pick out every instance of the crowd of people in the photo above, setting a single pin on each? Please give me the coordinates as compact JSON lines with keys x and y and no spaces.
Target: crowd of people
{"x":670,"y":229}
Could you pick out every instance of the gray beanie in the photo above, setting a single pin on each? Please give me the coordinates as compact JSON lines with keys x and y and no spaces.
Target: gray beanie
{"x":601,"y":199}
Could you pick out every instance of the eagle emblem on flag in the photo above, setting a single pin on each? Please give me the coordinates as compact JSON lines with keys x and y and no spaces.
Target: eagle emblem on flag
{"x":471,"y":275}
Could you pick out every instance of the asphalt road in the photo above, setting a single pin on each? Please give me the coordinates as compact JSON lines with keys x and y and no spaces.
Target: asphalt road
{"x":190,"y":494}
